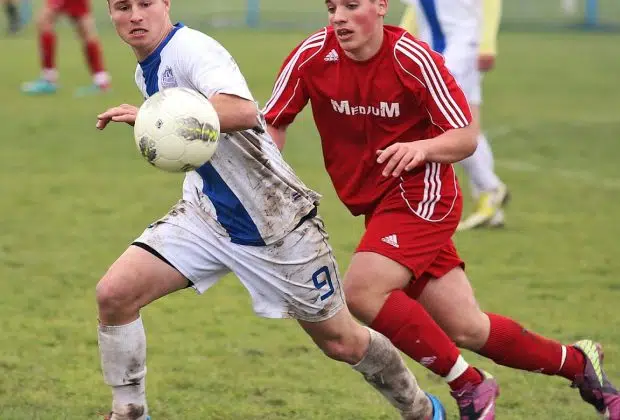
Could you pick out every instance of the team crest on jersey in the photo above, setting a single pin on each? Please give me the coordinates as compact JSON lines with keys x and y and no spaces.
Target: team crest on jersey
{"x":167,"y":79}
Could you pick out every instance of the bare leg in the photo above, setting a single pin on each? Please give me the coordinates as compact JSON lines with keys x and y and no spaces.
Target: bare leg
{"x":371,"y":354}
{"x":134,"y":280}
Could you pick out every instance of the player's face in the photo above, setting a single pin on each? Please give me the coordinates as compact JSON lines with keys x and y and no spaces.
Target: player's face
{"x":141,"y":23}
{"x":358,"y":24}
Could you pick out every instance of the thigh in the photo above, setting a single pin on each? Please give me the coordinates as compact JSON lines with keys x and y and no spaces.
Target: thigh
{"x":188,"y":244}
{"x":450,"y":300}
{"x":295,"y":277}
{"x":139,"y":277}
{"x":446,"y":260}
{"x":462,"y":61}
{"x":75,"y":9}
{"x":85,"y":27}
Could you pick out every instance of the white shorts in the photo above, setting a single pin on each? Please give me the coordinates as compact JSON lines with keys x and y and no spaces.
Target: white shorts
{"x":462,"y":61}
{"x":295,"y":277}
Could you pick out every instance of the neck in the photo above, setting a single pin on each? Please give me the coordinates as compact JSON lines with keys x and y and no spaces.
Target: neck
{"x":143,"y":52}
{"x":369,"y":49}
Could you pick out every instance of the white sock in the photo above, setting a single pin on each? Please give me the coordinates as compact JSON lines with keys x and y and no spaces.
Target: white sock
{"x":101,"y":78}
{"x":385,"y":370}
{"x":51,"y":75}
{"x":123,"y":361}
{"x":479,"y":167}
{"x":457,"y":370}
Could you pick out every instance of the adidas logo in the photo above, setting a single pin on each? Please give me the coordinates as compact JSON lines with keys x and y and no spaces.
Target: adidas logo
{"x":331,"y":56}
{"x":428,"y":360}
{"x":391,"y":240}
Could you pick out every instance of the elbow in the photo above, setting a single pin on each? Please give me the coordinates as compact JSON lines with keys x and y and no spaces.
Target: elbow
{"x":471,"y":142}
{"x":249,"y":115}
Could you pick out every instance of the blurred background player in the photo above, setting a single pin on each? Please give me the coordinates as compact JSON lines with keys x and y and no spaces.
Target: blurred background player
{"x":11,"y":9}
{"x":79,"y":13}
{"x":465,"y":33}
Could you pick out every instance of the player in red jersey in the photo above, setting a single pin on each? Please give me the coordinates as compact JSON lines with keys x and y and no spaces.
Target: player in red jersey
{"x":392,"y":120}
{"x":79,"y":12}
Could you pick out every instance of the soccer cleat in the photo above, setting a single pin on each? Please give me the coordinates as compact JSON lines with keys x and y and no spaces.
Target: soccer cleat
{"x":91,"y":90}
{"x":39,"y":87}
{"x":593,"y":385}
{"x":477,"y":402}
{"x":439,"y":412}
{"x":488,"y":210}
{"x":498,"y":219}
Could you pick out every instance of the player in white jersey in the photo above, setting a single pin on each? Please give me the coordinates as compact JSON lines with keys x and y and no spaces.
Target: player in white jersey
{"x":465,"y":33}
{"x":244,"y":212}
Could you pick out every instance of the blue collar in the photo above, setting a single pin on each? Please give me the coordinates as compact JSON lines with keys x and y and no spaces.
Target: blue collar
{"x":155,"y":54}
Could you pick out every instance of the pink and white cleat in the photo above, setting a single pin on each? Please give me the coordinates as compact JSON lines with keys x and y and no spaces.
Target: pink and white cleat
{"x":477,"y":402}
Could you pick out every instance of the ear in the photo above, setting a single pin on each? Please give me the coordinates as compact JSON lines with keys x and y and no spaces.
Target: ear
{"x":382,"y":5}
{"x":167,"y":4}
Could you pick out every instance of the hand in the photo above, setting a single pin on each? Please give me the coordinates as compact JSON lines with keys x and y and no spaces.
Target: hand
{"x":402,"y":157}
{"x":486,"y":62}
{"x":122,"y":113}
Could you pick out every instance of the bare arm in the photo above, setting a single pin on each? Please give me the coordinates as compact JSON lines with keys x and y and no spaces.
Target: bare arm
{"x":278,"y":134}
{"x":235,"y":113}
{"x":450,"y":147}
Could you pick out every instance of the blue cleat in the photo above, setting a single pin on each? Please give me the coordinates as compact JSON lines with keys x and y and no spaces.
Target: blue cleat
{"x":439,"y":412}
{"x":39,"y":87}
{"x":90,"y":90}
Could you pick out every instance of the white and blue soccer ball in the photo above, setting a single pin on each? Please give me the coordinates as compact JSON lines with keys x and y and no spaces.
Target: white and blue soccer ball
{"x":177,"y":130}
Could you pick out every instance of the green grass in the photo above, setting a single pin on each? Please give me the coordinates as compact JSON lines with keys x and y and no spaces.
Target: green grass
{"x":73,"y":198}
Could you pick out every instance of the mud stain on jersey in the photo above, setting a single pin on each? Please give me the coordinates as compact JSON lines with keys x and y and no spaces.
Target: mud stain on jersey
{"x":177,"y":209}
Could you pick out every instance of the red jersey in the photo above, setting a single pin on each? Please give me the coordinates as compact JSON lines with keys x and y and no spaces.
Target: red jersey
{"x":403,"y":93}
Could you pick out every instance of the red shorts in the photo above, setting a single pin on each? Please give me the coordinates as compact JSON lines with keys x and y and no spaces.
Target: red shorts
{"x":414,"y":224}
{"x":75,"y":9}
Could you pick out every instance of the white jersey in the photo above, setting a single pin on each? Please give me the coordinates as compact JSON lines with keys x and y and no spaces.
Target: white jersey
{"x":448,"y":23}
{"x":246,"y":190}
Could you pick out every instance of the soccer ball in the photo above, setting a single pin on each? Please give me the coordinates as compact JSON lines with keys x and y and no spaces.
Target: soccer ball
{"x":177,"y":130}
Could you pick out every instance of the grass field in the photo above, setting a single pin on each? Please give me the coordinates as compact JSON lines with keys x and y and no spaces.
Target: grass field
{"x":73,"y":199}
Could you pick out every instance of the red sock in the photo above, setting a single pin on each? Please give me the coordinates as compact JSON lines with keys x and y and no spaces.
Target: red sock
{"x":407,"y":324}
{"x":94,"y":56}
{"x":47,"y":46}
{"x":509,"y":344}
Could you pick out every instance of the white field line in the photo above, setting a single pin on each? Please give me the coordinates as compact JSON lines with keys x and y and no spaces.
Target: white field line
{"x":584,"y":177}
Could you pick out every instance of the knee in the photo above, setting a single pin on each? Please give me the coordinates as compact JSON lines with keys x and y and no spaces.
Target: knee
{"x":114,"y":301}
{"x":470,"y":332}
{"x":45,"y":22}
{"x":86,"y":30}
{"x":342,"y":349}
